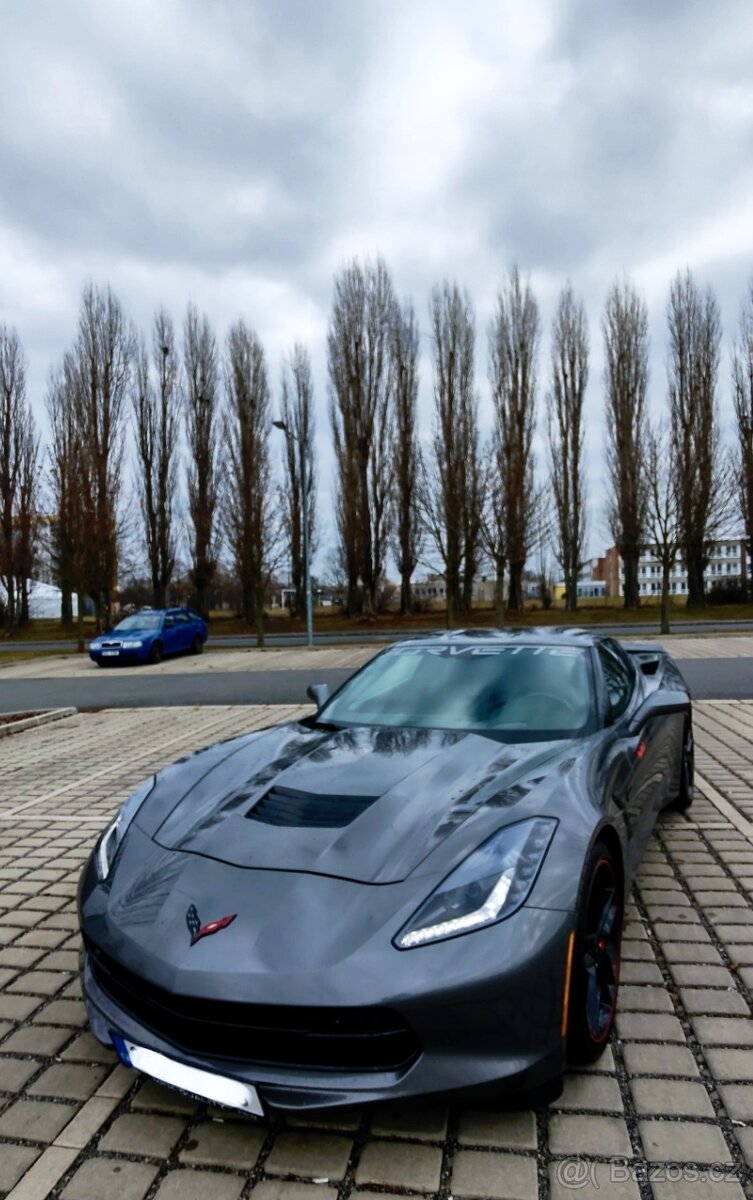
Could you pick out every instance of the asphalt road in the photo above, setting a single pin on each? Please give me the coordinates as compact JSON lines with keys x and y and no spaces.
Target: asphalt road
{"x":361,"y":636}
{"x":708,"y":678}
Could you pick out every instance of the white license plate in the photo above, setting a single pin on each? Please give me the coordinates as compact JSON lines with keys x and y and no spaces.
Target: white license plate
{"x":204,"y":1084}
{"x":110,"y":653}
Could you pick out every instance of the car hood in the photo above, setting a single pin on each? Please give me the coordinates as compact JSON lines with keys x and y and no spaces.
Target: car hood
{"x":363,"y":804}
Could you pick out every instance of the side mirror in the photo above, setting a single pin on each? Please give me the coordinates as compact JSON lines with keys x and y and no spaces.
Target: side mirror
{"x":319,"y":693}
{"x":659,"y":704}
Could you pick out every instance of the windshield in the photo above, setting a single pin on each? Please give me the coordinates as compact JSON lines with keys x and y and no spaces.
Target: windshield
{"x":140,"y":621}
{"x":520,"y":693}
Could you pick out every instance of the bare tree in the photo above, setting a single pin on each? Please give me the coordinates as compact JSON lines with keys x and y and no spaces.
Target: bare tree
{"x":297,"y":413}
{"x":662,"y":523}
{"x":248,"y":500}
{"x":565,"y":430}
{"x":513,"y":350}
{"x":742,"y":392}
{"x":703,"y":491}
{"x":493,"y":522}
{"x":625,"y":330}
{"x":104,"y":352}
{"x":202,"y":404}
{"x":451,"y":481}
{"x":155,"y":412}
{"x":407,"y":528}
{"x":358,"y":346}
{"x":69,"y":521}
{"x":19,"y":456}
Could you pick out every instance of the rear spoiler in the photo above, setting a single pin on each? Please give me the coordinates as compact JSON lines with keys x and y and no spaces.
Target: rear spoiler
{"x":649,"y":655}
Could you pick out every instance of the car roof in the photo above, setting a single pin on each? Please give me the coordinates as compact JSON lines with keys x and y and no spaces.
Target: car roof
{"x":536,"y":635}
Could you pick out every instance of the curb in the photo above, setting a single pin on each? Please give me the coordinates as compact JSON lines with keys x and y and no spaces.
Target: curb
{"x":44,"y":718}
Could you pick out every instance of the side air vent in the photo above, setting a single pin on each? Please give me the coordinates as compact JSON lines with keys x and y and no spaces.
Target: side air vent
{"x":285,"y":806}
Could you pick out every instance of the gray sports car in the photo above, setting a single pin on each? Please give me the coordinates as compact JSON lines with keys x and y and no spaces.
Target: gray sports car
{"x":419,"y":889}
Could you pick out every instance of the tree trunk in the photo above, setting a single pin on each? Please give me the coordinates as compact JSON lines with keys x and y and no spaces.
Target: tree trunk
{"x":630,"y":590}
{"x":405,"y":595}
{"x":665,"y":598}
{"x":66,"y":608}
{"x":80,"y":624}
{"x":259,"y":614}
{"x":696,"y":588}
{"x":499,"y":595}
{"x":515,"y":597}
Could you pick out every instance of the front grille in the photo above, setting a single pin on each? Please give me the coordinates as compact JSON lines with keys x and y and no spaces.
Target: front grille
{"x":341,"y":1039}
{"x":286,"y":806}
{"x":110,"y":645}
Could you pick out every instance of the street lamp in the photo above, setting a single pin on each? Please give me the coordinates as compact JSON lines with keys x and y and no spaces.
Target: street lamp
{"x":305,"y":514}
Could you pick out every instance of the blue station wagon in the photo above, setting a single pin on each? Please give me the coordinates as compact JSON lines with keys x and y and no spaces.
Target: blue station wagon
{"x":149,"y":635}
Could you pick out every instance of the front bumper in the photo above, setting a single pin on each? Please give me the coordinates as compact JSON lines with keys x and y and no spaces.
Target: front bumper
{"x":495,"y":1033}
{"x":119,"y":655}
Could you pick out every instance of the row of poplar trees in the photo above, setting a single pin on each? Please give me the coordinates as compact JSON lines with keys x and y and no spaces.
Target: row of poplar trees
{"x":191,"y":420}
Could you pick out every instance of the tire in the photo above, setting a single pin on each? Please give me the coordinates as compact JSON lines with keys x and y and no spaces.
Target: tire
{"x":156,"y":653}
{"x":684,"y":797}
{"x":197,"y":645}
{"x":595,"y":976}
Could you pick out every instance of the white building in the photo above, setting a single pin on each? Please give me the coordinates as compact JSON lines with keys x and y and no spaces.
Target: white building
{"x":728,"y":563}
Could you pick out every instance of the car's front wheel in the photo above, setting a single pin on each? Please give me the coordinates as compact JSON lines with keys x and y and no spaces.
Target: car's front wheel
{"x":197,"y":645}
{"x":155,"y":652}
{"x":684,"y":797}
{"x":595,"y":972}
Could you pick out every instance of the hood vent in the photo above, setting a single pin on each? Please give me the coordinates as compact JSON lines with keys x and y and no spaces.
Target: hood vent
{"x":306,"y":810}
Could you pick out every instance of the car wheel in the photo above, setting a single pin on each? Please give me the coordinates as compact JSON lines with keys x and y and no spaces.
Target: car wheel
{"x":595,"y":974}
{"x":197,"y":645}
{"x":155,"y":652}
{"x":684,"y":798}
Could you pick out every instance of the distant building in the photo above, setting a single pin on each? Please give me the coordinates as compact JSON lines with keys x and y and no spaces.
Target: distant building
{"x":728,"y":563}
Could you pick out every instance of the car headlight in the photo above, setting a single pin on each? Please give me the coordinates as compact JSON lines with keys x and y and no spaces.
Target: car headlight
{"x":491,"y":884}
{"x":134,"y":645}
{"x":116,"y":831}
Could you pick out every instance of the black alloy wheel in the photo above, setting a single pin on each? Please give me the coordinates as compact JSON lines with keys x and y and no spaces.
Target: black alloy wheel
{"x":596,"y":958}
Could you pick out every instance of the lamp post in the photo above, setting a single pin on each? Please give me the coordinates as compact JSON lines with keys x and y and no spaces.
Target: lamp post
{"x":289,"y":435}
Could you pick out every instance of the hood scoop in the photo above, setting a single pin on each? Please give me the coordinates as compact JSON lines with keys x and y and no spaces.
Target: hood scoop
{"x":308,"y":810}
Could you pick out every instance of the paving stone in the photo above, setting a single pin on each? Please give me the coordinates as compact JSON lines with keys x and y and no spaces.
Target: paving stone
{"x":284,"y":1189}
{"x":701,"y":975}
{"x":34,"y":1120}
{"x":98,"y":1178}
{"x":41,"y":1178}
{"x":87,"y":1122}
{"x":497,"y":1176}
{"x":649,"y":1027}
{"x":69,"y":1081}
{"x":15,"y":1162}
{"x":695,"y":1189}
{"x":321,"y":1155}
{"x":86,"y":1048}
{"x":39,"y":983}
{"x":232,"y":1144}
{"x":18,"y":1008}
{"x":665,"y":1097}
{"x":139,"y":1133}
{"x":424,"y":1122}
{"x":345,"y":1120}
{"x":512,"y":1130}
{"x":683,"y":1141}
{"x":745,"y":1140}
{"x":647,"y":1059}
{"x":154,"y":1095}
{"x":730,"y":1065}
{"x":199,"y":1185}
{"x":738,"y":1100}
{"x":709,"y":1001}
{"x":640,"y":972}
{"x":683,"y":952}
{"x":644,"y":998}
{"x":14,"y":1073}
{"x":37,"y":1039}
{"x":577,"y":1177}
{"x":399,"y":1164}
{"x":573,"y":1134}
{"x":723,"y":1031}
{"x":599,"y":1092}
{"x":63,"y":1012}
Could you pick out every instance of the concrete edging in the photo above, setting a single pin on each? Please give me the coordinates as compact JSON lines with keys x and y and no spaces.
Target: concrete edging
{"x":44,"y":718}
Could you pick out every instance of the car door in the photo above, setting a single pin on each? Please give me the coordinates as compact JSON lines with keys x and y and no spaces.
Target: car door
{"x":632,"y":767}
{"x":187,"y":629}
{"x":171,"y":633}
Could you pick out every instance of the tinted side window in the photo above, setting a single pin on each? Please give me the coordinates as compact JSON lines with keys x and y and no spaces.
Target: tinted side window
{"x":618,"y":677}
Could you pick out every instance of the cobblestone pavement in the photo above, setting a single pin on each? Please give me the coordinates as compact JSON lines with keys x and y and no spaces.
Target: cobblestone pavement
{"x":667,"y":1113}
{"x":71,"y":666}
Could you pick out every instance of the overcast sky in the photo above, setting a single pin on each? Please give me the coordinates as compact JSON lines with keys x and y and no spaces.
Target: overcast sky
{"x":236,"y":153}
